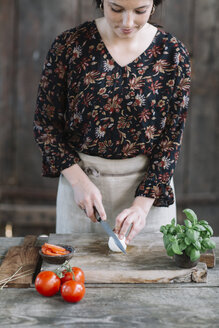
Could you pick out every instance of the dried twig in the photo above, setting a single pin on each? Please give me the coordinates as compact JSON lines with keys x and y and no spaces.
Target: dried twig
{"x":15,"y":276}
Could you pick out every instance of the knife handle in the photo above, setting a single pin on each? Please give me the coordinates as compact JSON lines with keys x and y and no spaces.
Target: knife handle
{"x":97,"y":215}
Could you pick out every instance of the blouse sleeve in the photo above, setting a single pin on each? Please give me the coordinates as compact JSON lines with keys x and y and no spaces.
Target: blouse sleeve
{"x":165,"y":153}
{"x":49,"y":123}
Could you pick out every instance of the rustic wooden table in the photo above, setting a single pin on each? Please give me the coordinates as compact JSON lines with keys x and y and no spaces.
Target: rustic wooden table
{"x":115,"y":305}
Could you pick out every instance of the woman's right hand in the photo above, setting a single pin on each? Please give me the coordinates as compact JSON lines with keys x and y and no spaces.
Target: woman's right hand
{"x":86,"y":194}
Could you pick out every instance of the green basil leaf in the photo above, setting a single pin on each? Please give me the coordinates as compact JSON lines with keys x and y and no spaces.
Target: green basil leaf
{"x":205,"y":242}
{"x":175,"y":248}
{"x":188,"y":250}
{"x":190,"y":214}
{"x":203,"y":222}
{"x":209,"y":244}
{"x":187,"y":241}
{"x":209,"y":229}
{"x":205,"y":234}
{"x":163,"y":229}
{"x":194,"y":254}
{"x":197,"y":245}
{"x":196,"y":235}
{"x":173,"y":222}
{"x":182,"y":245}
{"x":172,"y":238}
{"x":180,"y":235}
{"x":172,"y":230}
{"x":208,"y":234}
{"x":170,"y":251}
{"x":199,"y":227}
{"x":193,"y":235}
{"x":178,"y":228}
{"x":212,"y":244}
{"x":188,"y":223}
{"x":166,"y":241}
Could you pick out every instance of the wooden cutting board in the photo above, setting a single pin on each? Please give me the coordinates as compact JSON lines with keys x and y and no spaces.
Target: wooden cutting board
{"x":146,"y":260}
{"x":23,"y":260}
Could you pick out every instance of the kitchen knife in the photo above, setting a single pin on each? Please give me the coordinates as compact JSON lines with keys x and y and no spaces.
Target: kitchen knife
{"x":109,"y":231}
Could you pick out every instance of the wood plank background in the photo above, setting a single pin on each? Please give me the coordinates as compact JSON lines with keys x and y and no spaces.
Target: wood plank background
{"x":27,"y":29}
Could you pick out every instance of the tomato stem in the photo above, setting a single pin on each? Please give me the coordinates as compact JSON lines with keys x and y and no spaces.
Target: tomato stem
{"x":64,"y":267}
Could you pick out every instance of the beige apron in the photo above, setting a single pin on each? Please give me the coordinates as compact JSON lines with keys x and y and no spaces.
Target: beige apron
{"x":117,"y":180}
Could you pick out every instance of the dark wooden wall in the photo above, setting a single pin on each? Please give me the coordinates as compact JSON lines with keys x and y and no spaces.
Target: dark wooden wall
{"x":27,"y":29}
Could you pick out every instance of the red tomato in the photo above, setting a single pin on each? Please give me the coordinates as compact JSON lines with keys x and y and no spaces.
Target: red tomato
{"x":67,"y":276}
{"x":72,"y":291}
{"x":77,"y":275}
{"x":47,"y":283}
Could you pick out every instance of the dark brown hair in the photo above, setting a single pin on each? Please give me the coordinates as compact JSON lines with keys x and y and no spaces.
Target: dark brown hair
{"x":156,"y":2}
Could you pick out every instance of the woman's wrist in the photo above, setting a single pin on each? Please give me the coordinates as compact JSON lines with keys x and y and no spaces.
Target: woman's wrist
{"x":73,"y":174}
{"x":144,"y":202}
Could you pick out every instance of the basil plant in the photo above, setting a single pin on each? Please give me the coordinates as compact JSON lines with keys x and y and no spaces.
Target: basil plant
{"x":193,"y":237}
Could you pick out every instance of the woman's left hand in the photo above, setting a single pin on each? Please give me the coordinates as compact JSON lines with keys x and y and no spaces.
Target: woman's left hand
{"x":135,"y":216}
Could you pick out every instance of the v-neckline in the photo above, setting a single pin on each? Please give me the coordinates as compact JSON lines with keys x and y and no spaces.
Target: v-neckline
{"x":134,"y":60}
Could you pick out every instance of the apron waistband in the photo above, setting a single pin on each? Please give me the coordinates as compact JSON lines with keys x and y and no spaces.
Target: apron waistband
{"x":98,"y":166}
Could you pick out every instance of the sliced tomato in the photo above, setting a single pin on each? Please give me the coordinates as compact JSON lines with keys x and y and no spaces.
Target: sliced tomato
{"x":55,"y":247}
{"x":53,"y":250}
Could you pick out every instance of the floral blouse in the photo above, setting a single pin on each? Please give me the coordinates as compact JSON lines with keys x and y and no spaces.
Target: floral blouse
{"x":87,"y":102}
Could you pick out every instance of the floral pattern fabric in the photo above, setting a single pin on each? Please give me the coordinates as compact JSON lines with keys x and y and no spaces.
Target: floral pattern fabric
{"x":87,"y":102}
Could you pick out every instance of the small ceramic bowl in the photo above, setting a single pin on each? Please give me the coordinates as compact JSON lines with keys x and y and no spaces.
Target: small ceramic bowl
{"x":58,"y":259}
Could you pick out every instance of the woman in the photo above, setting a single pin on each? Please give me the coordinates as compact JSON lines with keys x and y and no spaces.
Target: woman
{"x":110,"y":115}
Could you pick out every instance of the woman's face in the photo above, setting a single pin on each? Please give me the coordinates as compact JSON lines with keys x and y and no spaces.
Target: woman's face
{"x":127,"y":17}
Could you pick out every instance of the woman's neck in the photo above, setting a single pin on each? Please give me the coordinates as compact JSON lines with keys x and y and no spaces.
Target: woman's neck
{"x":110,"y":37}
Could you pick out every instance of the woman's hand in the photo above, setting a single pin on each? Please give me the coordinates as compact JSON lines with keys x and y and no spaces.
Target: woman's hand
{"x":86,"y":194}
{"x":135,"y":216}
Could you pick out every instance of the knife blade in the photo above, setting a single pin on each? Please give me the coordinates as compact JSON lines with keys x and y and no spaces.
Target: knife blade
{"x":109,"y":231}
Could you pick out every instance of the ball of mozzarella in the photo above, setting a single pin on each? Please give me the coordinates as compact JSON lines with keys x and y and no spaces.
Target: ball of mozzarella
{"x":112,"y":245}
